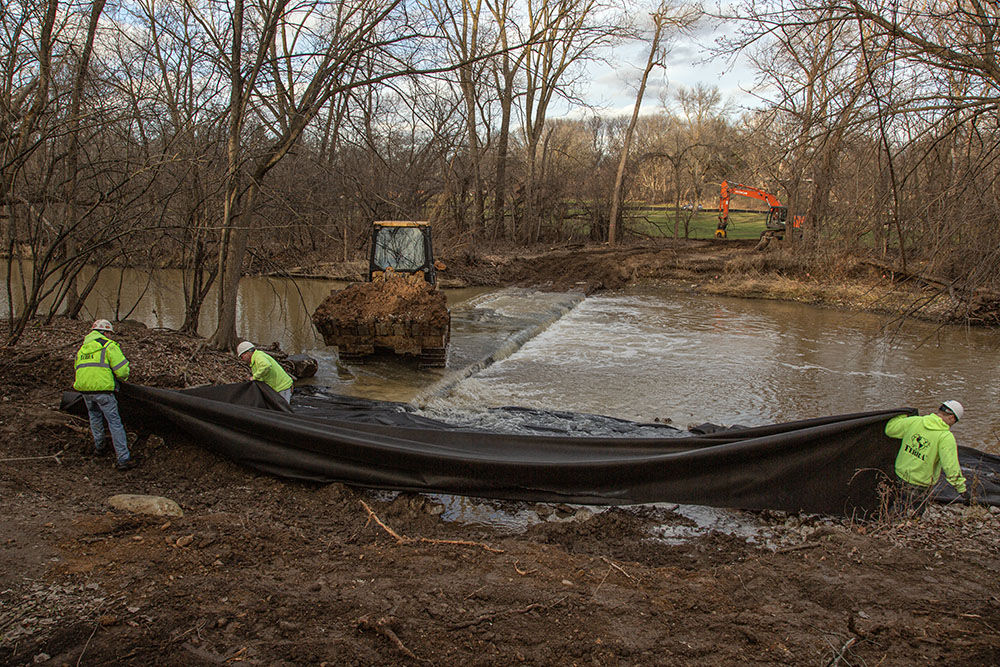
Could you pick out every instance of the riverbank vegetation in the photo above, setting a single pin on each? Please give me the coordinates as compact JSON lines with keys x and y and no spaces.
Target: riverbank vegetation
{"x":222,"y":138}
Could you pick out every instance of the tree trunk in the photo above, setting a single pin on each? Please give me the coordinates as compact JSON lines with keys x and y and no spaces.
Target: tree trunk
{"x":616,"y":192}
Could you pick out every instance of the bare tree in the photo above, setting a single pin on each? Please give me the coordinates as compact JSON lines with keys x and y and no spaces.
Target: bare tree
{"x":666,"y":16}
{"x":467,"y":38}
{"x":570,"y":31}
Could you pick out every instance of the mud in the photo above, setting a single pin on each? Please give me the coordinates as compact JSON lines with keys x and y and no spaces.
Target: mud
{"x":730,"y":267}
{"x":263,"y":571}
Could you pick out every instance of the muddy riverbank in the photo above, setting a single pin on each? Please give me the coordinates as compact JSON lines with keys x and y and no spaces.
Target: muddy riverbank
{"x":720,"y":267}
{"x":265,"y":571}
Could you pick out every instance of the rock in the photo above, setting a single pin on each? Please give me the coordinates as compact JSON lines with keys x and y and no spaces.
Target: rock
{"x":302,"y":365}
{"x":42,"y":657}
{"x":184,"y":541}
{"x":154,"y":505}
{"x":563,"y":510}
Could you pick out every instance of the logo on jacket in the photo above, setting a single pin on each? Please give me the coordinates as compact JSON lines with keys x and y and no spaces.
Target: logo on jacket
{"x":917,"y":445}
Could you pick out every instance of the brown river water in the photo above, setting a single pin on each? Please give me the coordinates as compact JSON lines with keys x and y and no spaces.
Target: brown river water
{"x":638,"y":354}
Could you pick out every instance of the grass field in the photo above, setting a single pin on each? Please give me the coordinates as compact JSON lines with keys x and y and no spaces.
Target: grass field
{"x":660,"y":222}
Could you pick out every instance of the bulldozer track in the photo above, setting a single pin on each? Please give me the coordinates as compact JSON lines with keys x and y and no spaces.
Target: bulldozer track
{"x":435,"y":357}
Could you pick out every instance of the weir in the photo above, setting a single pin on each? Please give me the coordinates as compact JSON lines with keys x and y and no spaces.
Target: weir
{"x":494,"y":326}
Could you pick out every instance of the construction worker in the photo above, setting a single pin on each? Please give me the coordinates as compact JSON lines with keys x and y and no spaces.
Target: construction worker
{"x":927,"y":447}
{"x":265,"y":369}
{"x":100,"y":364}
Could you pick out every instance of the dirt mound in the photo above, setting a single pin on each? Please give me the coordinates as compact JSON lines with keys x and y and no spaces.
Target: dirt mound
{"x":43,"y":358}
{"x":390,"y":300}
{"x":589,"y":268}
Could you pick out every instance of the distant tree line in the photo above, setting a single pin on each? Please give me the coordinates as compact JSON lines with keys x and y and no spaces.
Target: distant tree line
{"x":212,"y":134}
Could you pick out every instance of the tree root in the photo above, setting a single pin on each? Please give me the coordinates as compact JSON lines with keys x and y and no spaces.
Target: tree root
{"x":507,"y":612}
{"x":383,"y":626}
{"x":37,"y":458}
{"x":403,"y":539}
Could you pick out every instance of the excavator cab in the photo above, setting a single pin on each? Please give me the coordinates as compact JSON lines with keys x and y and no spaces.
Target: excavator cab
{"x":776,"y":218}
{"x":402,"y":247}
{"x":777,"y":223}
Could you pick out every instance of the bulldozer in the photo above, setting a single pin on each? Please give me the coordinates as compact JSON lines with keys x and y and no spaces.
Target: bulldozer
{"x":399,"y":308}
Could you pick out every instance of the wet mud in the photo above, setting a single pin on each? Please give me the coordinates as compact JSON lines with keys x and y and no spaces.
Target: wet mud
{"x":264,"y":571}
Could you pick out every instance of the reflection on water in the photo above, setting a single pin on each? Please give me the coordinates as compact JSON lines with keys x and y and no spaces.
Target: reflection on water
{"x":267,"y":309}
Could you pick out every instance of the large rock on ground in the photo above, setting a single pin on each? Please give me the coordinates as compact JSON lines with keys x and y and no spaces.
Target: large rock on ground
{"x":152,"y":505}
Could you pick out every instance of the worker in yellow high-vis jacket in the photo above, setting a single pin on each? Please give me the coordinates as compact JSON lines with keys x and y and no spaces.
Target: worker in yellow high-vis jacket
{"x":99,"y":366}
{"x":927,"y":448}
{"x":265,"y":369}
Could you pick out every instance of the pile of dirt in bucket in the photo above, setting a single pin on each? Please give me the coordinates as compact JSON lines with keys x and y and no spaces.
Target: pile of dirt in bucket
{"x":389,"y":300}
{"x":406,"y":316}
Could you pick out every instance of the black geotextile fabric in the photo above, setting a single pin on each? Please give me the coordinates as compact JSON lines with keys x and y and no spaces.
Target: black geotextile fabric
{"x":828,"y":465}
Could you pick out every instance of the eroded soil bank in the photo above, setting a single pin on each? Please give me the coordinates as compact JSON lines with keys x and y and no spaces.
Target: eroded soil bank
{"x":263,"y":571}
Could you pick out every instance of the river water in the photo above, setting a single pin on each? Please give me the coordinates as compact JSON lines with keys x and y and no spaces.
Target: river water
{"x":638,"y":354}
{"x":643,"y":354}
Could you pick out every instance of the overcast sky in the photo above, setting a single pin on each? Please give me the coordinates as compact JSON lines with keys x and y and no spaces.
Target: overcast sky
{"x":613,"y":87}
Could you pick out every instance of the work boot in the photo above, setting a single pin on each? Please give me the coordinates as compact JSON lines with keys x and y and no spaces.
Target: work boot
{"x":95,"y":452}
{"x":128,"y":464}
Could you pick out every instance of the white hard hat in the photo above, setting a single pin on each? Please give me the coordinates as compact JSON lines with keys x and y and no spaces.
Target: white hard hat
{"x":245,"y":346}
{"x":955,"y":408}
{"x":102,"y":325}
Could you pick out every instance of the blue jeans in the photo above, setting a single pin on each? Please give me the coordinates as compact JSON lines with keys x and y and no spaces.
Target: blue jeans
{"x":99,"y":408}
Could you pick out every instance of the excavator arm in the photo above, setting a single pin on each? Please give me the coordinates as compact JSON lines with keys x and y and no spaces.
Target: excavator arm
{"x":776,"y":215}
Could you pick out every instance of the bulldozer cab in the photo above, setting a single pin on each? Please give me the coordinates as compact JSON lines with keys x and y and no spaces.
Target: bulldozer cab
{"x":402,"y":247}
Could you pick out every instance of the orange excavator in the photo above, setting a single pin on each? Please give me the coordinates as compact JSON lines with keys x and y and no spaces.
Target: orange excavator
{"x":777,"y":215}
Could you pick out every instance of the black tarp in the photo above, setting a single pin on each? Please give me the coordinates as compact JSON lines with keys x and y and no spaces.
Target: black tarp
{"x":827,"y":465}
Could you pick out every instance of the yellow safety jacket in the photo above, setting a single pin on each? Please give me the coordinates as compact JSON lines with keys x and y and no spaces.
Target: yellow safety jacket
{"x":98,"y":362}
{"x":928,"y":447}
{"x":265,"y":369}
